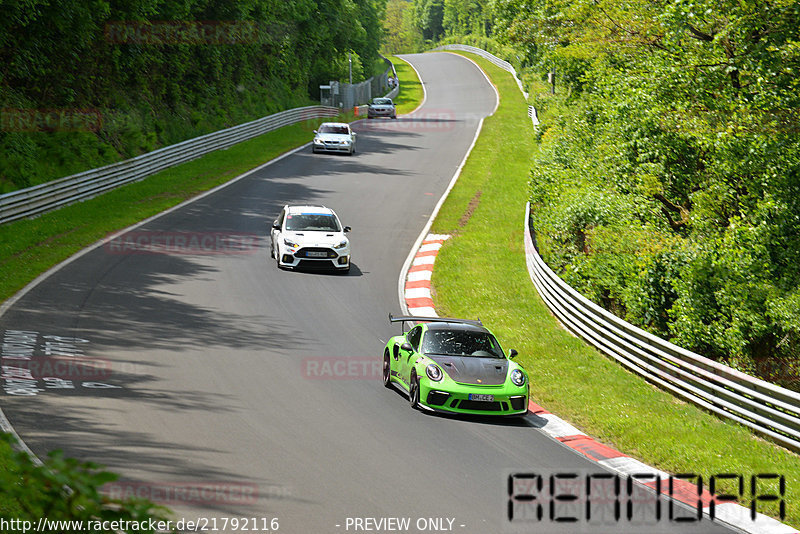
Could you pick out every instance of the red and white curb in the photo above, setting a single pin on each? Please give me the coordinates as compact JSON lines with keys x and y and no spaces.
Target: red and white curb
{"x":418,"y":299}
{"x":683,"y":491}
{"x":418,"y":281}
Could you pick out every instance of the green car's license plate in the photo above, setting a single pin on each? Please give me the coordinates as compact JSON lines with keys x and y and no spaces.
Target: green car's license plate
{"x":481,"y":397}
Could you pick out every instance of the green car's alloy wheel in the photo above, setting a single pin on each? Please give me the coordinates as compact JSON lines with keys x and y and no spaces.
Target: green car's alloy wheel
{"x":445,"y":365}
{"x":413,"y":390}
{"x":387,"y":370}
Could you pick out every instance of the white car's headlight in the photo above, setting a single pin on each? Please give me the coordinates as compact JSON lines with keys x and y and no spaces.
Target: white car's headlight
{"x":317,"y":141}
{"x":341,"y":244}
{"x":518,"y":377}
{"x":433,"y":372}
{"x":290,"y":243}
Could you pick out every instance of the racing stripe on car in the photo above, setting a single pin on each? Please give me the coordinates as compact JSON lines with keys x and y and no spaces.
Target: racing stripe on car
{"x":417,"y":291}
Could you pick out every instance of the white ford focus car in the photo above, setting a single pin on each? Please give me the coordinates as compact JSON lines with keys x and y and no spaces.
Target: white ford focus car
{"x":309,"y":236}
{"x":334,"y":137}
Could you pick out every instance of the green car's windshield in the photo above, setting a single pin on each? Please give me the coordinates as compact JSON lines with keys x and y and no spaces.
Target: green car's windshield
{"x":318,"y":222}
{"x":461,"y":343}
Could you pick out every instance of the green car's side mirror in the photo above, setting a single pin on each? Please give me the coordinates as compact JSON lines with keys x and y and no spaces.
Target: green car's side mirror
{"x":512,"y":353}
{"x":407,"y":347}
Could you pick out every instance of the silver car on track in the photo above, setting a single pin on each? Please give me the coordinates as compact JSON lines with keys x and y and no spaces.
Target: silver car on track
{"x":382,"y":107}
{"x":334,"y":137}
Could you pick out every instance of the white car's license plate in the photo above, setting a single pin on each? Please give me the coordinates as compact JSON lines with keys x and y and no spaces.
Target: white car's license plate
{"x":481,"y":397}
{"x":316,"y":254}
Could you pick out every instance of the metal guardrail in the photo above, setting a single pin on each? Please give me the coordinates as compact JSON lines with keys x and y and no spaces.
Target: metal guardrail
{"x":57,"y":193}
{"x":396,"y":89}
{"x":766,"y":408}
{"x":505,"y":65}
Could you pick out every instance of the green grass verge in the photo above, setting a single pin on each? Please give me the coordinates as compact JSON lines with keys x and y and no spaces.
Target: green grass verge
{"x":481,"y":272}
{"x":411,"y":92}
{"x":30,"y":247}
{"x":8,"y":507}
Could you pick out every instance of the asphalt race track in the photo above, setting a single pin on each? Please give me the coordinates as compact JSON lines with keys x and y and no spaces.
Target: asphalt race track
{"x":211,"y":368}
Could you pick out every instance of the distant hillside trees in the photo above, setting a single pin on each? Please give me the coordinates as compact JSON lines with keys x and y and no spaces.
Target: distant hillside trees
{"x":159,"y":72}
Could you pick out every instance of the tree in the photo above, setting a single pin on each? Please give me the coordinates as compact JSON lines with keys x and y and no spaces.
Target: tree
{"x":429,"y":18}
{"x":683,"y":123}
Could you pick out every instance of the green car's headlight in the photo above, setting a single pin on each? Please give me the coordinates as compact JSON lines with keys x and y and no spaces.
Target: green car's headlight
{"x":289,"y":243}
{"x":433,"y":372}
{"x":518,"y":377}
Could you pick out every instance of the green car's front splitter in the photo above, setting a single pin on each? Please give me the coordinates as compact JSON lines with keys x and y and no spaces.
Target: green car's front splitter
{"x":451,"y":397}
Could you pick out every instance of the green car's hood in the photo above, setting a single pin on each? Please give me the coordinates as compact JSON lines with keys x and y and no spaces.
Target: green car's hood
{"x":473,"y":370}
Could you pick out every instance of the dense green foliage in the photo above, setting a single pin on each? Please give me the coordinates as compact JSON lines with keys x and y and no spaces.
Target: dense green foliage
{"x":670,"y":189}
{"x":158,"y":72}
{"x":411,"y":25}
{"x":63,"y":489}
{"x":480,"y":272}
{"x":668,"y":184}
{"x":401,"y":35}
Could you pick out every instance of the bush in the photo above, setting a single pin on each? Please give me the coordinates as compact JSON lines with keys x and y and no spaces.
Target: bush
{"x":64,"y":489}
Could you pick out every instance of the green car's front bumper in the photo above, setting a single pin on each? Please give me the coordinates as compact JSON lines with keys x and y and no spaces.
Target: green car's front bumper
{"x":448,"y":396}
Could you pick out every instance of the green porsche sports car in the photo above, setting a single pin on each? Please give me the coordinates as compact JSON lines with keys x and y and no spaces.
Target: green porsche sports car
{"x":454,"y":366}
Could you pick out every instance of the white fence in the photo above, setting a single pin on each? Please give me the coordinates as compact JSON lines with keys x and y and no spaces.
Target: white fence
{"x":396,"y":89}
{"x":57,"y":193}
{"x":766,"y":408}
{"x":356,"y":94}
{"x":505,"y":65}
{"x":769,"y":409}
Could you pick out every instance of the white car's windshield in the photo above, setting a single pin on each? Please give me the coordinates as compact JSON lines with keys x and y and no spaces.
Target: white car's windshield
{"x":461,"y":343}
{"x":382,"y":101}
{"x":320,"y":222}
{"x":329,"y":129}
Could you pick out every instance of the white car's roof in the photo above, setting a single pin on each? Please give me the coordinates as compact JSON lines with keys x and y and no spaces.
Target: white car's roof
{"x":310,"y":208}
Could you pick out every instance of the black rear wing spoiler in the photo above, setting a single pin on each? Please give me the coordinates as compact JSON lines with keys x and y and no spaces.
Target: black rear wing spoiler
{"x":417,"y":319}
